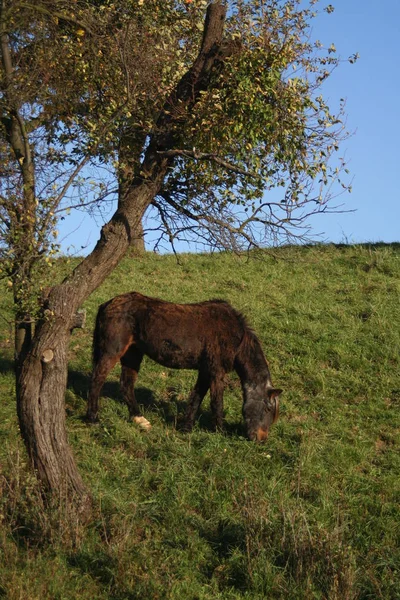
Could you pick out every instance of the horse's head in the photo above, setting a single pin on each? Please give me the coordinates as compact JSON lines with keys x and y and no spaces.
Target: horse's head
{"x":260,"y":411}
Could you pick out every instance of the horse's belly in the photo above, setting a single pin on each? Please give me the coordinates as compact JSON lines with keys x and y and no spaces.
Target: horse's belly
{"x":173,"y":355}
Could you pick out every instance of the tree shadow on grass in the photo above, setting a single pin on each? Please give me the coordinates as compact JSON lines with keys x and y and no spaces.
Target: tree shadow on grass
{"x":204,"y":419}
{"x":205,"y":422}
{"x":79,"y":384}
{"x":103,"y":568}
{"x":227,"y":539}
{"x":170,"y":410}
{"x":6,"y":365}
{"x":99,"y":565}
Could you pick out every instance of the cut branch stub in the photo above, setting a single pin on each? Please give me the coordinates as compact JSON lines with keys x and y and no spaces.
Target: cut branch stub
{"x":79,"y":319}
{"x":47,"y":355}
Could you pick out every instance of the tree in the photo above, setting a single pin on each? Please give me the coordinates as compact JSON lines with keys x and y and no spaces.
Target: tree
{"x":194,"y":110}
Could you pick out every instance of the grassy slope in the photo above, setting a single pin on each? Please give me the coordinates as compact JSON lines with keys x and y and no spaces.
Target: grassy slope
{"x":312,"y":514}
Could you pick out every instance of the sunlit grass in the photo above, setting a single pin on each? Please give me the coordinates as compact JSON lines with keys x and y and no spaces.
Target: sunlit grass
{"x":312,"y":514}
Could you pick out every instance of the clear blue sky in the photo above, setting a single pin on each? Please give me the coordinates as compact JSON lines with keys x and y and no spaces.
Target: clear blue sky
{"x":372,"y":91}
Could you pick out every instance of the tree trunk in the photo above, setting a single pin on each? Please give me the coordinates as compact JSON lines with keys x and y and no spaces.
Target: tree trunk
{"x":138,"y":241}
{"x":42,"y":376}
{"x":41,"y":412}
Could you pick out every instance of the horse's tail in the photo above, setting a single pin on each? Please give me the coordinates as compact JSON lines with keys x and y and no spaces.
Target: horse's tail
{"x":97,"y":337}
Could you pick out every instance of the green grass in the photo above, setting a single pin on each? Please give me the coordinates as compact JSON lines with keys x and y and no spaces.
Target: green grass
{"x":313,"y":514}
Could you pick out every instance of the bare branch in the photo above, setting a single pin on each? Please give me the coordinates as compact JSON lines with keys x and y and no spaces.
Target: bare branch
{"x":70,"y":180}
{"x":180,"y":209}
{"x":167,"y":228}
{"x":85,"y":204}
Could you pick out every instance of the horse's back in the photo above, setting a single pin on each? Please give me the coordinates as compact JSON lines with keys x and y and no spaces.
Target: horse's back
{"x":175,"y":335}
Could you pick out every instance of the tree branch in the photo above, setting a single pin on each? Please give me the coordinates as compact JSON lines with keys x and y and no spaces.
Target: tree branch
{"x":195,"y":154}
{"x":85,"y":204}
{"x":17,"y":136}
{"x":193,"y":82}
{"x":167,"y":228}
{"x":59,"y":15}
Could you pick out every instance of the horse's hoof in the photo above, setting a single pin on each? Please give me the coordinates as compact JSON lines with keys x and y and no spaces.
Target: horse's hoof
{"x":142,"y":422}
{"x":91,"y":419}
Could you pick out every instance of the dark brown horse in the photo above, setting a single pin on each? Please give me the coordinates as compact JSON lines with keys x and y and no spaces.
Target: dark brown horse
{"x":211,"y":337}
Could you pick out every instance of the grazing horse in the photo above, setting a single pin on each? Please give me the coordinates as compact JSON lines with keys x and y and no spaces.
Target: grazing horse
{"x":210,"y":336}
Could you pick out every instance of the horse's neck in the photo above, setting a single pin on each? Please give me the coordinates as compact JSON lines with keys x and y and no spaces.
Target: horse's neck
{"x":250,"y":363}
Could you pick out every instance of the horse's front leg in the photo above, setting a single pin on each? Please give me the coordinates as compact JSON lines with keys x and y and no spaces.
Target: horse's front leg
{"x":195,"y":399}
{"x":217,"y":400}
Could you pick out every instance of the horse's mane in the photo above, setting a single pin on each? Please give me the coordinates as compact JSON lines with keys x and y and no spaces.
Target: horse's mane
{"x":250,"y":341}
{"x":250,"y":362}
{"x":240,"y":316}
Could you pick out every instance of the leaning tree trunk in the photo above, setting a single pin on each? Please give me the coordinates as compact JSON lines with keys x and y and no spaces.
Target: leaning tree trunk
{"x":41,"y":410}
{"x":42,"y":376}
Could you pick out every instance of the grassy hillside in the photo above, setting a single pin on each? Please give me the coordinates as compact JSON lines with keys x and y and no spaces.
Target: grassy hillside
{"x":314,"y":513}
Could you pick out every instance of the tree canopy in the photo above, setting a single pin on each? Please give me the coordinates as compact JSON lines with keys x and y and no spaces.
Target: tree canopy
{"x":95,"y":82}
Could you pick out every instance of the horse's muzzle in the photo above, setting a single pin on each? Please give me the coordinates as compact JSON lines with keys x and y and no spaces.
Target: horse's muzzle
{"x":261,"y":435}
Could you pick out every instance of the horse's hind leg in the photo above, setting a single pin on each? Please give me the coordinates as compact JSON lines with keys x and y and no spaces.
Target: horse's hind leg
{"x":195,"y":399}
{"x":100,"y":371}
{"x":217,"y":400}
{"x":130,"y":363}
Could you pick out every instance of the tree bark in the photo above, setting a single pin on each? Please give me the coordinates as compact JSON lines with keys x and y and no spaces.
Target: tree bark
{"x":138,"y":241}
{"x":41,"y":380}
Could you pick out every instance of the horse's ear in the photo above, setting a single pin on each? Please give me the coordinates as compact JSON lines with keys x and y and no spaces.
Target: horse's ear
{"x":273,"y":400}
